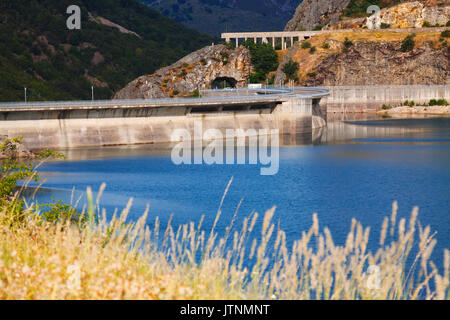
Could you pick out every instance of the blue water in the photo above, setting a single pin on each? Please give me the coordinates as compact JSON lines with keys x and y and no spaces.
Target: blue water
{"x":357,"y":173}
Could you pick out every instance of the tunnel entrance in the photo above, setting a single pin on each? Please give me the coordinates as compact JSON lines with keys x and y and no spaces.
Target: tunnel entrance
{"x":223,"y":82}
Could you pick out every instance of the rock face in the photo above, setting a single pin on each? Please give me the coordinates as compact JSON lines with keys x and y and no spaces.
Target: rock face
{"x":203,"y":68}
{"x":15,"y":150}
{"x":412,"y":15}
{"x":311,"y":13}
{"x":329,"y":13}
{"x":378,"y":63}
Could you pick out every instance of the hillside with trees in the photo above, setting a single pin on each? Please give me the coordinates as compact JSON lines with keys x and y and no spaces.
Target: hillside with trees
{"x":118,"y":41}
{"x":217,"y":16}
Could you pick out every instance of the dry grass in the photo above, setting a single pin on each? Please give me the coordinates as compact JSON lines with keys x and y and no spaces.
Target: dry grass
{"x":308,"y":62}
{"x":115,"y":260}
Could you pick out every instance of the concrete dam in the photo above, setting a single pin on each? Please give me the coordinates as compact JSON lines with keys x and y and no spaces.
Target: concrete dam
{"x":76,"y":124}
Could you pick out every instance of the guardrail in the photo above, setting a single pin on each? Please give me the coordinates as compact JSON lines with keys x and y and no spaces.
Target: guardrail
{"x":233,"y":95}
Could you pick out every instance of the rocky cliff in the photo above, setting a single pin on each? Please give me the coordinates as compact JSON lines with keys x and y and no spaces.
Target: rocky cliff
{"x":371,"y":58}
{"x":311,"y":13}
{"x":205,"y":68}
{"x":382,"y":63}
{"x":412,"y":15}
{"x":349,"y":14}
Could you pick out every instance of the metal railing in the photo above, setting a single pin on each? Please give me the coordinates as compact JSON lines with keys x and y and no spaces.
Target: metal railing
{"x":269,"y":93}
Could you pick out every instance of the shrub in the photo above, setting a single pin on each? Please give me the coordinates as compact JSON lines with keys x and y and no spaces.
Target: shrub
{"x":408,"y":43}
{"x":175,"y":92}
{"x":358,"y":8}
{"x":60,"y":212}
{"x":347,"y":43}
{"x":325,"y":45}
{"x":448,"y":23}
{"x":224,"y":54}
{"x":439,"y":102}
{"x":230,"y":45}
{"x":385,"y":25}
{"x":195,"y":94}
{"x":426,"y":24}
{"x":257,"y":77}
{"x":445,"y":34}
{"x":183,"y":73}
{"x":386,"y":107}
{"x":290,"y":69}
{"x":318,"y":27}
{"x":311,"y":74}
{"x":306,"y":45}
{"x":312,"y":49}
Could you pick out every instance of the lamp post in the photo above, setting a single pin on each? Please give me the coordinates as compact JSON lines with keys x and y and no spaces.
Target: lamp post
{"x":92,"y":92}
{"x":25,"y":89}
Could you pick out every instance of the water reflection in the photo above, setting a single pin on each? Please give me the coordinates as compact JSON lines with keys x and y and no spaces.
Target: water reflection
{"x":353,"y":168}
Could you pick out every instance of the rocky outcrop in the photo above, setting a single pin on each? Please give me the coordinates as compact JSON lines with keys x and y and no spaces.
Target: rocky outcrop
{"x":14,"y":149}
{"x":199,"y":69}
{"x":378,"y":63}
{"x":311,"y":13}
{"x":330,"y":15}
{"x":411,"y":15}
{"x":108,"y":23}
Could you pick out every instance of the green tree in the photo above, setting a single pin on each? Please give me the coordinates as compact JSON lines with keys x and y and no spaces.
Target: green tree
{"x":408,"y":43}
{"x":290,"y":69}
{"x":306,"y":45}
{"x":264,"y":59}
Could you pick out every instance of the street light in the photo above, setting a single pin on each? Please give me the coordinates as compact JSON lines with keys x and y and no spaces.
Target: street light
{"x":25,"y":89}
{"x":92,"y":92}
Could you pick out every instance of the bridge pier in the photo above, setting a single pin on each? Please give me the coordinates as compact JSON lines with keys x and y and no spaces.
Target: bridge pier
{"x":265,"y":36}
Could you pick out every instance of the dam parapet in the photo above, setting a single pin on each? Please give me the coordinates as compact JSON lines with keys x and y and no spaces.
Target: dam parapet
{"x":372,"y":97}
{"x":77,"y":124}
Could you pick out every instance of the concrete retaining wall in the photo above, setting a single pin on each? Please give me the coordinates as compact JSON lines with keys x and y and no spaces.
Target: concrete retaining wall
{"x":90,"y":128}
{"x":370,"y":98}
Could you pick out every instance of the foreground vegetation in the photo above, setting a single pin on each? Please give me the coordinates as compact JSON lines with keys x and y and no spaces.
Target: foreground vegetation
{"x":72,"y":255}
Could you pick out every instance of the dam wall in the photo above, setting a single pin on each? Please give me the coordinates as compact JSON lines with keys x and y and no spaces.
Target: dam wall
{"x":76,"y":127}
{"x":371,"y":98}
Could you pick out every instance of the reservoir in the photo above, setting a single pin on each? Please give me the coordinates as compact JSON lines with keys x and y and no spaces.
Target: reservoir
{"x":355,"y":168}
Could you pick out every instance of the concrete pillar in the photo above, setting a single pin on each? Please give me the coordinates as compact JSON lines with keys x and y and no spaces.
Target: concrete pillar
{"x":292,"y":41}
{"x":273,"y":42}
{"x":255,"y":40}
{"x":237,"y":42}
{"x":283,"y":43}
{"x":227,"y":39}
{"x":264,"y":40}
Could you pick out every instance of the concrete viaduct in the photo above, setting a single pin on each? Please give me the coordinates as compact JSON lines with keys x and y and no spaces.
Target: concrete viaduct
{"x":289,"y":37}
{"x":273,"y":36}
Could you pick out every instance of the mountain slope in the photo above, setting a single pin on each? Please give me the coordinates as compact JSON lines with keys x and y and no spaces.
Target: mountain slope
{"x":118,"y":41}
{"x":368,"y":58}
{"x":346,"y":14}
{"x":217,"y":16}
